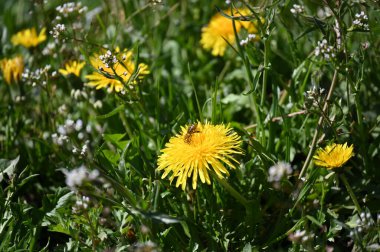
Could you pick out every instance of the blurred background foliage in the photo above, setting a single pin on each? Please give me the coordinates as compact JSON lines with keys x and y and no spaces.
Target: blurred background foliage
{"x":259,"y":89}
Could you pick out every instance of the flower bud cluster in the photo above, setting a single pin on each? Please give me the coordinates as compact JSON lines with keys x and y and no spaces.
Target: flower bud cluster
{"x":297,"y":9}
{"x":361,"y":21}
{"x":108,"y":59}
{"x":67,"y":8}
{"x":50,"y":49}
{"x":314,"y":96}
{"x":81,"y":204}
{"x":250,"y":37}
{"x":83,"y":150}
{"x":278,"y":171}
{"x":57,"y":30}
{"x":364,"y":223}
{"x":300,"y":236}
{"x":77,"y":94}
{"x":145,"y":246}
{"x":323,"y":49}
{"x":35,"y":77}
{"x":75,"y":178}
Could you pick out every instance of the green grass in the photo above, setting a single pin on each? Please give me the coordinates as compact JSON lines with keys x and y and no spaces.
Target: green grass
{"x":258,"y":89}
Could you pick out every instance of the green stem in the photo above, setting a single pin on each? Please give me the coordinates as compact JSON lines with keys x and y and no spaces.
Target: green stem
{"x":232,"y":191}
{"x":265,"y":74}
{"x":319,"y":125}
{"x":351,"y":193}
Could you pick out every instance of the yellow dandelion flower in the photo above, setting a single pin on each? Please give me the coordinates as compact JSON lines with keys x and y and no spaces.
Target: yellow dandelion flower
{"x":72,"y":67}
{"x":29,"y":38}
{"x":220,"y":29}
{"x":117,"y":73}
{"x":12,"y":69}
{"x":333,"y":155}
{"x":197,"y":149}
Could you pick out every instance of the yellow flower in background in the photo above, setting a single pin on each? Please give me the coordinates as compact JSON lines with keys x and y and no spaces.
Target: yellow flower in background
{"x":220,"y":29}
{"x":72,"y":67}
{"x":29,"y":38}
{"x":115,"y":70}
{"x":198,"y":149}
{"x":12,"y":69}
{"x":333,"y":155}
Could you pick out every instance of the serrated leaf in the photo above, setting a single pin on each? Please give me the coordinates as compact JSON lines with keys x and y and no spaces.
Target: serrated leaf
{"x":59,"y":229}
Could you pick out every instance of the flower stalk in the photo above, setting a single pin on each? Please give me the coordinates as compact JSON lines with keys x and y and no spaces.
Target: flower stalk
{"x":320,"y":121}
{"x":241,"y":199}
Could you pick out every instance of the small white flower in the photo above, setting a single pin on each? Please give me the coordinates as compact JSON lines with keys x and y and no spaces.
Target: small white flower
{"x":76,"y":177}
{"x":88,"y":128}
{"x":325,"y":50}
{"x":361,"y":21}
{"x":78,"y":125}
{"x":98,"y":104}
{"x":80,"y":135}
{"x":278,"y":171}
{"x":297,"y":9}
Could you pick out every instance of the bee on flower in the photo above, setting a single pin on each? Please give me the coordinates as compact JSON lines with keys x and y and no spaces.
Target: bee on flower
{"x":198,"y":149}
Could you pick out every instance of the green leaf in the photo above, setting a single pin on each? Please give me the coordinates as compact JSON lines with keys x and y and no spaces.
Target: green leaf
{"x":165,"y":232}
{"x":113,"y":112}
{"x":8,"y":167}
{"x":314,"y":220}
{"x":59,"y":229}
{"x":111,"y":156}
{"x":116,"y":140}
{"x":307,"y":187}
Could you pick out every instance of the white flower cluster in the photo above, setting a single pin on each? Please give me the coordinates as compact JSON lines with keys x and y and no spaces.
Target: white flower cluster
{"x":71,"y":7}
{"x":324,"y":12}
{"x":245,"y":41}
{"x":228,"y":2}
{"x":361,"y":21}
{"x":70,"y":126}
{"x":75,"y":178}
{"x":323,"y":49}
{"x":35,"y":77}
{"x":97,"y":104}
{"x":83,"y":150}
{"x":155,"y":2}
{"x":314,"y":93}
{"x":108,"y":59}
{"x":145,"y":246}
{"x":62,"y":109}
{"x":314,"y":97}
{"x":50,"y":49}
{"x":300,"y":236}
{"x":81,"y":204}
{"x":59,"y":139}
{"x":297,"y":9}
{"x":78,"y":93}
{"x":364,"y":223}
{"x":20,"y":98}
{"x":278,"y":171}
{"x":57,"y":30}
